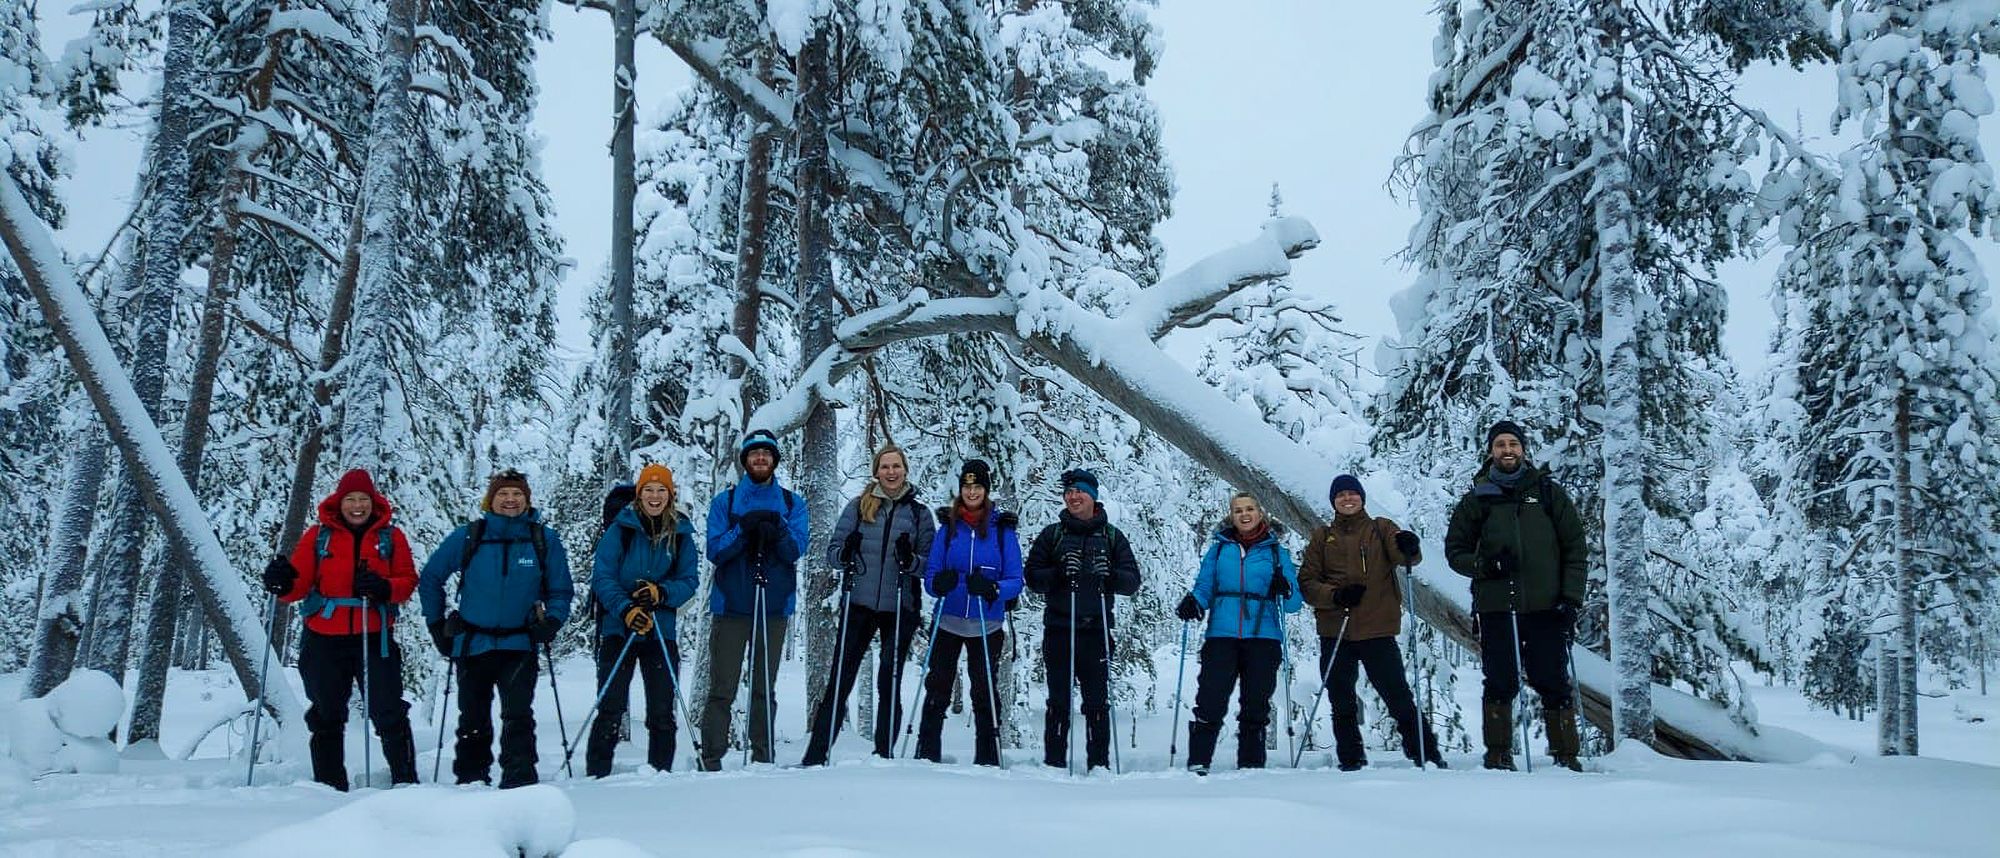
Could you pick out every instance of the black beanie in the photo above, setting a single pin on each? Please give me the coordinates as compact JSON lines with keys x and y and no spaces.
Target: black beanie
{"x":758,"y":438}
{"x":976,"y":473}
{"x":1505,"y":427}
{"x":1346,"y":483}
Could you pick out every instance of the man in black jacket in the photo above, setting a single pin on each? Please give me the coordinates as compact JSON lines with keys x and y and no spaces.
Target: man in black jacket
{"x":1079,"y":563}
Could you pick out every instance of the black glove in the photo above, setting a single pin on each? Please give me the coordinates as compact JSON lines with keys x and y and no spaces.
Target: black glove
{"x":906,"y":554}
{"x":982,"y":586}
{"x":371,"y":586}
{"x":279,"y":576}
{"x":646,"y":595}
{"x":442,"y":636}
{"x":762,"y":527}
{"x":1007,"y":521}
{"x":1281,"y":587}
{"x":1501,"y":564}
{"x":1406,"y":542}
{"x":1188,"y":610}
{"x":1566,"y":611}
{"x":1349,"y":596}
{"x":850,"y":550}
{"x":945,"y":581}
{"x":1072,"y":569}
{"x":544,"y":630}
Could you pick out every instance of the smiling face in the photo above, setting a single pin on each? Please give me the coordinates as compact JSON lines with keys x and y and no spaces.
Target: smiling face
{"x":973,"y":495}
{"x":356,"y":508}
{"x":510,"y":501}
{"x":759,"y":463}
{"x":654,"y":498}
{"x":1347,"y":503}
{"x":1079,"y":502}
{"x":1507,"y":452}
{"x":1246,"y":514}
{"x":892,"y":472}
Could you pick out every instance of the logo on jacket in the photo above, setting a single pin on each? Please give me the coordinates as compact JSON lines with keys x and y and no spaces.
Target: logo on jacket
{"x":1531,"y":499}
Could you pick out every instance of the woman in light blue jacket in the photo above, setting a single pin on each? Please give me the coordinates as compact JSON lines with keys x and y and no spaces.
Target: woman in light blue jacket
{"x":974,"y":570}
{"x":1246,"y":585}
{"x":647,"y":566}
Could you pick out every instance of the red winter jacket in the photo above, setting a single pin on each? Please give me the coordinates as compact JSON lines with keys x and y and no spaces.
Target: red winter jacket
{"x":334,"y":574}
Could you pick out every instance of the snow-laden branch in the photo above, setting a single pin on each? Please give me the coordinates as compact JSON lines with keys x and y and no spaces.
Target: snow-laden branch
{"x":708,"y":57}
{"x":166,"y":493}
{"x":862,"y":334}
{"x":1174,"y":301}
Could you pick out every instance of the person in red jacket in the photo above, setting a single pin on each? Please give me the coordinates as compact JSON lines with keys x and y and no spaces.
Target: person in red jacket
{"x":349,"y":572}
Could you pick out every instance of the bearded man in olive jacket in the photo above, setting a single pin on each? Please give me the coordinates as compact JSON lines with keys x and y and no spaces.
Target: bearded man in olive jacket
{"x":1517,"y":535}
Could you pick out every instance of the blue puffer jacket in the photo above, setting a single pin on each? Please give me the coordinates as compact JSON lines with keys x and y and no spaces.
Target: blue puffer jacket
{"x":498,"y":588}
{"x":626,"y":556}
{"x":734,"y":594}
{"x":997,"y":555}
{"x":1234,"y":580}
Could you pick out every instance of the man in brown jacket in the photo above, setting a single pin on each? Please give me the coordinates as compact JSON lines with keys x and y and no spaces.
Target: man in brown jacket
{"x":1348,"y":576}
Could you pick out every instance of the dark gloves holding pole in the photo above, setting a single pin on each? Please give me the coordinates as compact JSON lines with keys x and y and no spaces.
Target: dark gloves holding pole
{"x":279,"y":576}
{"x":983,"y":587}
{"x":544,"y":627}
{"x":1188,"y":610}
{"x":1566,"y":613}
{"x":906,"y":554}
{"x":446,"y":631}
{"x":1501,"y":564}
{"x":1281,"y":587}
{"x":370,"y":586}
{"x":1408,"y":546}
{"x":945,"y":581}
{"x":1349,"y":596}
{"x":762,"y":527}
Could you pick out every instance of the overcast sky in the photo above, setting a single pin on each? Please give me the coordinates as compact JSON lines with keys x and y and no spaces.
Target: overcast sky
{"x":1315,"y":96}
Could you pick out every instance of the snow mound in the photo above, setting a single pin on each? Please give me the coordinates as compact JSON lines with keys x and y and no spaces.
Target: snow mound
{"x":39,"y":742}
{"x":88,"y":703}
{"x":605,"y":847}
{"x":532,"y":822}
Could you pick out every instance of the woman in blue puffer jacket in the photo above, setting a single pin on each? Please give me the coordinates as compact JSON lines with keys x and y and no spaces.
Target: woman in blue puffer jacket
{"x":974,"y":570}
{"x":1246,"y":586}
{"x":646,"y":567}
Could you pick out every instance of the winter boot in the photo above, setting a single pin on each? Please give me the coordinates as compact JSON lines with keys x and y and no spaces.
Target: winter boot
{"x":399,"y":750}
{"x":1347,"y":747}
{"x":1249,"y":746}
{"x":660,"y":748}
{"x":1097,"y":740}
{"x":601,"y":745}
{"x":328,"y":764}
{"x":1055,"y":739}
{"x":1497,"y":723}
{"x":1564,"y":744}
{"x":1201,"y":745}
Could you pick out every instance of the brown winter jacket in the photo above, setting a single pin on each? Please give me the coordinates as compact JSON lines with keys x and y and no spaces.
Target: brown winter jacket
{"x":1354,"y":549}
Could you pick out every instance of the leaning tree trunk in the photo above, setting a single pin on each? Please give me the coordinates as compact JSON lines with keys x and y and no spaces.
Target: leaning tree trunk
{"x":59,"y":620}
{"x":1628,"y":589}
{"x":819,"y":451}
{"x":618,"y":403}
{"x":365,"y":405}
{"x":155,"y":477}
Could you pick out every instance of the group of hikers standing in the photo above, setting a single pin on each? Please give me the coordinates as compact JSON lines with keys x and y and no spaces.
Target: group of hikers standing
{"x":1515,"y":533}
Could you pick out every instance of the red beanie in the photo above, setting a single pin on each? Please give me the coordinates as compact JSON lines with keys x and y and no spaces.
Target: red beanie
{"x":356,"y":480}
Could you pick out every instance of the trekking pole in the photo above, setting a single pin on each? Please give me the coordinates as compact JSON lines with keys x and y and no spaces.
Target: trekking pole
{"x":836,"y":700}
{"x":930,"y":647}
{"x":1325,"y":674}
{"x":992,"y":690}
{"x":444,"y":711}
{"x":263,"y":678}
{"x":367,"y":710}
{"x":1180,"y":676}
{"x":1285,"y":659}
{"x":562,"y":730}
{"x":674,"y":676}
{"x":569,"y":745}
{"x":1071,"y":689}
{"x":1416,"y":672}
{"x":1110,"y":700}
{"x":895,"y":646}
{"x":1514,"y":621}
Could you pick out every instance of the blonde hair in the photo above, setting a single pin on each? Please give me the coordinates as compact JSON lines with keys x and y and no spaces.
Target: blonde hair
{"x":1230,"y":510}
{"x":870,"y":502}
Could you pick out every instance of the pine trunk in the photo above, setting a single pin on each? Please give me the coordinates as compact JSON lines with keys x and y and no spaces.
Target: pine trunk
{"x":1904,"y":677}
{"x":1624,"y":450}
{"x":819,"y":451}
{"x":618,"y":416}
{"x":59,"y":620}
{"x":753,"y":236}
{"x":366,"y":404}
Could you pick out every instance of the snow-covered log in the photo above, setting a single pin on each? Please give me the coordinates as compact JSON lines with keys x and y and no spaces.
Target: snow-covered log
{"x":166,"y":493}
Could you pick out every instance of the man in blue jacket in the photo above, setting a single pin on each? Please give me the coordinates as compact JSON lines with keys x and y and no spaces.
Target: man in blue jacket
{"x":513,"y":595}
{"x":757,"y":530}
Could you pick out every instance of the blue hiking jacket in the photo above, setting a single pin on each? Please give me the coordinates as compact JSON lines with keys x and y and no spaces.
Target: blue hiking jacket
{"x":625,"y":556}
{"x":498,"y":588}
{"x":733,"y":593}
{"x":1234,"y":579}
{"x":997,"y":555}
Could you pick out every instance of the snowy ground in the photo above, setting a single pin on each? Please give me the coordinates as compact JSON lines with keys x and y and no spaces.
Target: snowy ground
{"x":1637,"y":804}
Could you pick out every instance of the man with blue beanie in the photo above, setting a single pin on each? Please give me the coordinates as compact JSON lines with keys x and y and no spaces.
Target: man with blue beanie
{"x":1080,"y":563}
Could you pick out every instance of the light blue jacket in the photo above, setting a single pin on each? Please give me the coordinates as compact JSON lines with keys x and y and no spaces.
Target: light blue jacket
{"x":734,"y":594}
{"x":1233,"y":583}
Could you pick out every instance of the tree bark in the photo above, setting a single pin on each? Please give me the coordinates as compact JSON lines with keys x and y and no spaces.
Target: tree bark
{"x":59,"y":620}
{"x":618,"y":406}
{"x":819,"y":450}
